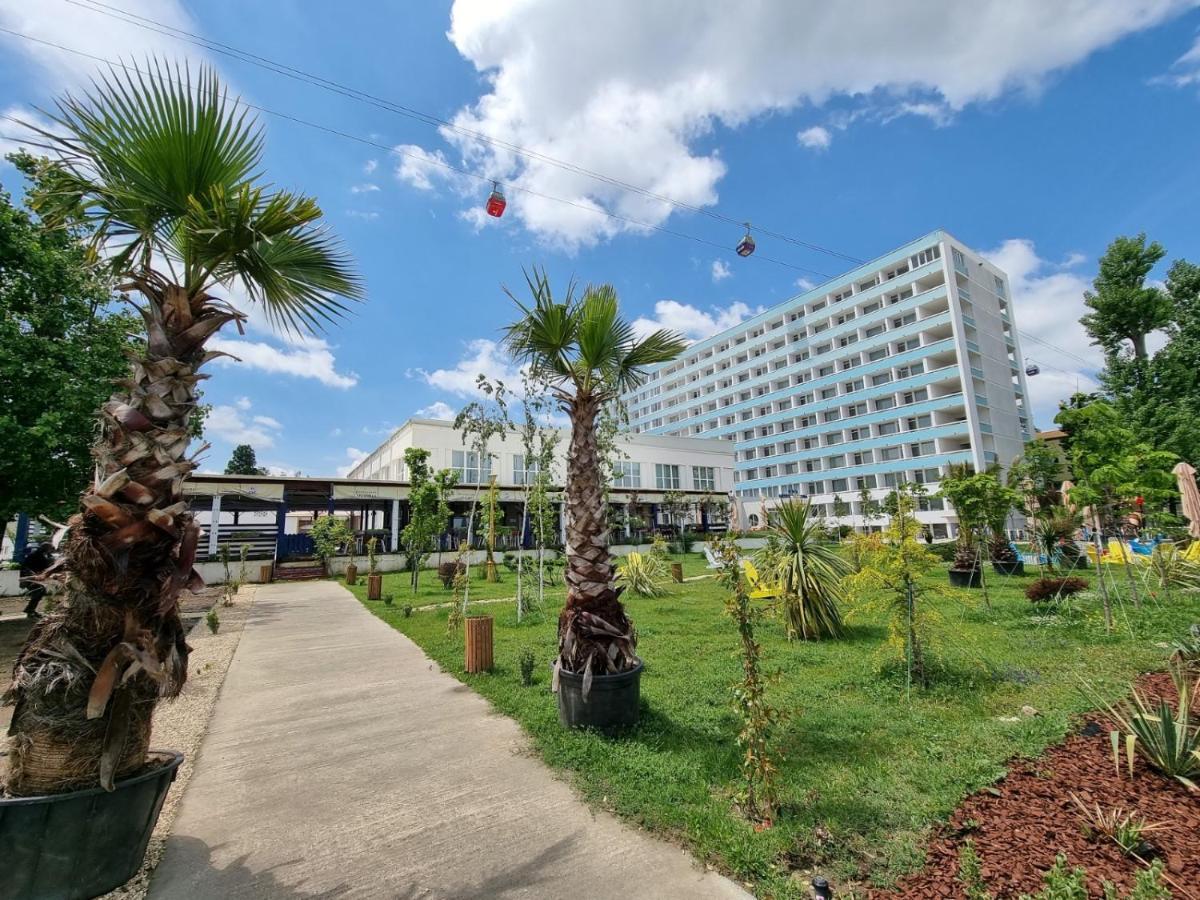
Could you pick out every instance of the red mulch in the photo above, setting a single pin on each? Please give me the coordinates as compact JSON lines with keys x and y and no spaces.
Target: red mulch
{"x":1019,"y":825}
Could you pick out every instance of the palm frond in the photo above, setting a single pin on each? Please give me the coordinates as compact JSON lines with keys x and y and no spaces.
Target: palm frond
{"x":807,"y":568}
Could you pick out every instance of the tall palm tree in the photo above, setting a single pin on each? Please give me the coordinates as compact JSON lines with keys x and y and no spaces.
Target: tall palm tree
{"x":168,"y":174}
{"x":808,"y":570}
{"x":586,"y":355}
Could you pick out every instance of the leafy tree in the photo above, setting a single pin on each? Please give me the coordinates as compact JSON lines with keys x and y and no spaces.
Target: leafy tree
{"x":1038,"y":475}
{"x":62,"y":348}
{"x":982,"y":503}
{"x":243,"y":462}
{"x":428,"y":505}
{"x":587,"y":355}
{"x":167,"y":174}
{"x":537,"y":513}
{"x":1122,"y":307}
{"x":869,"y":506}
{"x":329,"y":535}
{"x":677,"y":507}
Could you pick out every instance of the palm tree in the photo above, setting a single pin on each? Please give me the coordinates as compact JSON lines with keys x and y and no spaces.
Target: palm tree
{"x":586,"y":355}
{"x":808,"y":570}
{"x":167,"y":174}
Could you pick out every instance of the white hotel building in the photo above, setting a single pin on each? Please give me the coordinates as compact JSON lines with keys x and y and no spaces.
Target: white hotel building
{"x":890,"y":372}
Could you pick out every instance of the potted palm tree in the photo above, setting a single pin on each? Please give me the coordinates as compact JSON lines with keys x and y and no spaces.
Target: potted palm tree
{"x":808,"y":569}
{"x":167,"y":172}
{"x":586,"y":355}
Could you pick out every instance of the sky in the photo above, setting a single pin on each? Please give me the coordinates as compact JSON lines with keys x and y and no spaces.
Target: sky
{"x":1034,"y":132}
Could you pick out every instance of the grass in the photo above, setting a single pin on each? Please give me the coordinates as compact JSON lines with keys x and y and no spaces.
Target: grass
{"x":865,"y":772}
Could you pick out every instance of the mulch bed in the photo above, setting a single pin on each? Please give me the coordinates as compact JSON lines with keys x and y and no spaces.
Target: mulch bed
{"x":1020,"y":824}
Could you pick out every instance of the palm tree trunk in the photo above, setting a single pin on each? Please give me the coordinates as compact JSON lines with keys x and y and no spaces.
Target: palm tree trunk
{"x":593,"y":619}
{"x":86,"y":683}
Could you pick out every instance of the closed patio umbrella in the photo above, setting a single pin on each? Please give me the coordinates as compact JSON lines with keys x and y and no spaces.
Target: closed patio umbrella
{"x":1185,"y":477}
{"x":1065,"y":491}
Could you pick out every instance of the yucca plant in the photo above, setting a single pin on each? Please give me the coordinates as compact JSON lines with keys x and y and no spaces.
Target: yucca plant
{"x":642,"y":575}
{"x":1169,"y":570}
{"x":168,"y":173}
{"x":1169,"y":740}
{"x":808,"y":569}
{"x":1125,"y":828}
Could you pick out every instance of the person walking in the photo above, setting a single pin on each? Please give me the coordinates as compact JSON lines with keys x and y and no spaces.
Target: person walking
{"x":35,"y":562}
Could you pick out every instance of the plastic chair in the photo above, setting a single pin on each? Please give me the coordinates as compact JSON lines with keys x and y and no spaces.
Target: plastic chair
{"x":1118,"y":555}
{"x":758,"y":589}
{"x":711,"y":556}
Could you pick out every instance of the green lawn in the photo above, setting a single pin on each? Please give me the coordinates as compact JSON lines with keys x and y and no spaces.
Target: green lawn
{"x":872,"y":769}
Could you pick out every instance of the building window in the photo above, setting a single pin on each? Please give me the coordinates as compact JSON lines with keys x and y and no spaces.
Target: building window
{"x":666,"y":477}
{"x":522,"y":473}
{"x":466,"y":464}
{"x":627,"y":474}
{"x":960,"y":261}
{"x":704,"y":478}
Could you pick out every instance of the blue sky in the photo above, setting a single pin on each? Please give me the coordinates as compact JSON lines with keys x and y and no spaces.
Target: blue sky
{"x":1035,"y":132}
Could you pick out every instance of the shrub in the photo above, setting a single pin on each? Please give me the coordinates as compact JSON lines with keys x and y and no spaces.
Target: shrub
{"x":407,"y":610}
{"x":213,"y":620}
{"x":966,"y":557}
{"x":389,"y":599}
{"x":509,"y":560}
{"x":1125,"y":828}
{"x":642,"y":575}
{"x":448,"y":571}
{"x":944,"y":551}
{"x":527,"y":662}
{"x":659,"y":547}
{"x":1169,"y":740}
{"x":1049,"y":590}
{"x":1187,"y":651}
{"x":687,"y":542}
{"x":1001,"y":549}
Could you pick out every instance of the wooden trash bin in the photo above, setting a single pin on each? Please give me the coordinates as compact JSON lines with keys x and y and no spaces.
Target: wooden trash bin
{"x":479,"y":644}
{"x":266,"y":573}
{"x":677,"y":572}
{"x":374,"y":587}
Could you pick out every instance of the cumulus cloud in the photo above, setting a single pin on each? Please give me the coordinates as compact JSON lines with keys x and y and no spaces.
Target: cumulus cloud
{"x":558,"y":75}
{"x":436,"y":410}
{"x":1047,"y":305}
{"x":422,"y":169}
{"x":815,"y":138}
{"x":805,"y":284}
{"x":720,"y":270}
{"x":354,"y":457}
{"x":482,"y":357}
{"x":229,"y":423}
{"x":307,"y":357}
{"x":692,"y":322}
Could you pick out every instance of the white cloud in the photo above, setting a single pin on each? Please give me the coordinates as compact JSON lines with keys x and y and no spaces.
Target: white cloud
{"x":365,"y":215}
{"x":282,"y":470}
{"x":14,"y":136}
{"x":1047,"y":305}
{"x":337,"y":432}
{"x":483,"y":357}
{"x":815,"y":138}
{"x":1185,"y":71}
{"x":365,"y":188}
{"x":370,"y":166}
{"x":805,"y":284}
{"x":692,"y":322}
{"x":720,"y":270}
{"x":307,"y":357}
{"x":355,"y":456}
{"x":557,"y":75}
{"x":92,"y":32}
{"x":418,"y":167}
{"x":228,"y":423}
{"x":436,"y":410}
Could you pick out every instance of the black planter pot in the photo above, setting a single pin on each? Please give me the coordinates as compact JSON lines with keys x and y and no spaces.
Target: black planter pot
{"x":966,"y":577}
{"x":611,"y":704}
{"x":81,"y":844}
{"x":1009,"y":568}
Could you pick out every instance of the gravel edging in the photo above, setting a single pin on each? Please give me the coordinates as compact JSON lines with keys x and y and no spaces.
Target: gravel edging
{"x":182,"y":723}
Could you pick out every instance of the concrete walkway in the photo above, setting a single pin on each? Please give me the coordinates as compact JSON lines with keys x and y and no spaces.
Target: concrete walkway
{"x":341,"y":762}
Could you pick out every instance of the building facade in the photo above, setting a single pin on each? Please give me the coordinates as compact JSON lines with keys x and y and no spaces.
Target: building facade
{"x":891,"y":372}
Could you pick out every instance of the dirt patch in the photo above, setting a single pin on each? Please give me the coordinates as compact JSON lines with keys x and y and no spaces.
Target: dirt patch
{"x":1020,"y":824}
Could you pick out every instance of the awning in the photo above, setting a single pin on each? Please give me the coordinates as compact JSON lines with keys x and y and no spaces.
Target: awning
{"x":255,"y":490}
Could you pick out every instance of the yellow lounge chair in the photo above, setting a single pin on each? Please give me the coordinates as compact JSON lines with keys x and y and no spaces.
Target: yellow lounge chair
{"x":1192,"y":553}
{"x":758,"y":589}
{"x":1119,"y":554}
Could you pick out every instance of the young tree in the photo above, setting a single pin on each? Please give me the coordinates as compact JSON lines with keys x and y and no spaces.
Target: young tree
{"x":62,"y":347}
{"x":841,"y":509}
{"x":1122,"y":307}
{"x":480,"y":422}
{"x":587,"y":355}
{"x":538,"y":441}
{"x":678,"y":508}
{"x":869,"y":507}
{"x":243,"y":462}
{"x":168,"y":175}
{"x":428,"y":506}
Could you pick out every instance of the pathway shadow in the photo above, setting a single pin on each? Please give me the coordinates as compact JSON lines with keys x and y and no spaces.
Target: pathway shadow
{"x":517,"y":878}
{"x":199,"y":878}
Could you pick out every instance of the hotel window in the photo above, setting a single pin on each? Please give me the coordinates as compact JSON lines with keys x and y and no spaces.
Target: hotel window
{"x":816,"y":487}
{"x":960,"y":261}
{"x":886,"y":428}
{"x":915,"y":396}
{"x":627,"y":474}
{"x":857,"y":409}
{"x":892,"y":479}
{"x":812,"y":465}
{"x":864,"y":481}
{"x":864,"y":458}
{"x":927,"y":255}
{"x":859,"y":434}
{"x":838,"y":485}
{"x":666,"y":477}
{"x":884,"y":403}
{"x":810,"y":443}
{"x":925,"y":448}
{"x":912,"y":423}
{"x":887,"y":454}
{"x":999,"y":282}
{"x":829,"y":393}
{"x":884,"y":378}
{"x":836,"y":462}
{"x":833,"y":437}
{"x":522,"y":473}
{"x":876,"y":355}
{"x":466,"y":463}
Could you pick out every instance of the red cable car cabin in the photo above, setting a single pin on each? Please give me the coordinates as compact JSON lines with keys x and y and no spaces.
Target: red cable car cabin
{"x":496,"y":203}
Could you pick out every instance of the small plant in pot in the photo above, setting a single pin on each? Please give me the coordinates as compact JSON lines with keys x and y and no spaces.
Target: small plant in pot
{"x":374,"y":578}
{"x":965,"y":570}
{"x":587,"y":355}
{"x":159,"y":171}
{"x":1005,"y":560}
